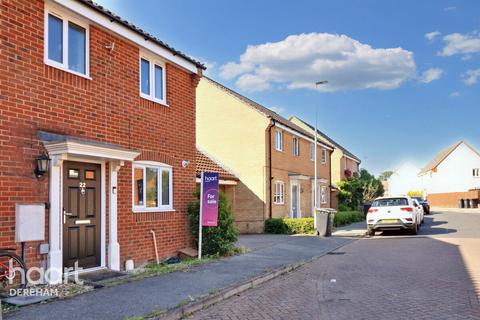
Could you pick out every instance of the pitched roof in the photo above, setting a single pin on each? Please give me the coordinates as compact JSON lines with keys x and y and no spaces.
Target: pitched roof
{"x":442,"y":155}
{"x":267,"y":112}
{"x":329,"y":140}
{"x":206,"y":163}
{"x":113,"y":17}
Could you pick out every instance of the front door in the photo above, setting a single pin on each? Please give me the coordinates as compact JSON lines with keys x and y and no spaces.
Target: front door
{"x":295,"y":202}
{"x":81,"y":214}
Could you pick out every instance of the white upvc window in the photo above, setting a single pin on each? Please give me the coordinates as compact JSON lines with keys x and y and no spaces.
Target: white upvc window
{"x":279,"y":193}
{"x":346,"y":164}
{"x":312,"y":151}
{"x":66,"y":42}
{"x":324,"y":155}
{"x":153,"y":79}
{"x":296,"y":146}
{"x":323,"y":194}
{"x":278,"y":140}
{"x":152,"y":185}
{"x":476,"y":172}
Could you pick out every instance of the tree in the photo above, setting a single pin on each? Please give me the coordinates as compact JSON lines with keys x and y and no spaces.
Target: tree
{"x":384,"y":176}
{"x":358,"y":190}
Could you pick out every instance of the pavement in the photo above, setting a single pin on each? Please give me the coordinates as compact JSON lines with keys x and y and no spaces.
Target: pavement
{"x":358,"y":229}
{"x":433,"y":275}
{"x":267,"y":253}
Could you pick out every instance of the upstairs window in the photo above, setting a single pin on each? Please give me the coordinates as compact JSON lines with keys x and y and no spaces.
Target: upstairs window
{"x":278,"y":140}
{"x":152,"y":79}
{"x":66,"y":43}
{"x":312,"y":152}
{"x":152,"y":187}
{"x":296,"y":146}
{"x":476,"y":172}
{"x":324,"y":155}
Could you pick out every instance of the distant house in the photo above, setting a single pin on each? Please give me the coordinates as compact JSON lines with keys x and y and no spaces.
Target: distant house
{"x":344,"y":163}
{"x":404,"y":179}
{"x":453,"y":176}
{"x":228,"y":180}
{"x":271,"y":156}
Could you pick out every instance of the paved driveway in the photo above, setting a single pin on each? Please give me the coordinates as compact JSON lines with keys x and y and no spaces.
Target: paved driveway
{"x":429,"y":276}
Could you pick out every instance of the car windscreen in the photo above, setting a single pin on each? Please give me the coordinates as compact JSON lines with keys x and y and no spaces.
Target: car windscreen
{"x":419,"y":199}
{"x":390,"y":202}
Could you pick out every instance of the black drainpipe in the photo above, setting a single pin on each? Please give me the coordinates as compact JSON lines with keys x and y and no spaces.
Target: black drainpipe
{"x":271,"y":125}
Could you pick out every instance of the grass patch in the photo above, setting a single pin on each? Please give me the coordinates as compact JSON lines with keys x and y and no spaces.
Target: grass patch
{"x":343,"y":218}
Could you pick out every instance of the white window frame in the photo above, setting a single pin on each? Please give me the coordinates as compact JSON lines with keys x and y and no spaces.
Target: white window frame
{"x":476,"y":172}
{"x":278,"y":140}
{"x":324,"y":155}
{"x":296,"y":146}
{"x":153,"y":61}
{"x":279,"y":193}
{"x":66,"y":18}
{"x":323,"y":194}
{"x":346,"y":163}
{"x":160,"y":167}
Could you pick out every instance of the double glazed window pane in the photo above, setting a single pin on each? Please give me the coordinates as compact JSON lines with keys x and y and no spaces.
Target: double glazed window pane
{"x":55,"y":39}
{"x":158,"y":82}
{"x":76,"y":48}
{"x":145,"y":77}
{"x":138,"y":187}
{"x":152,"y":187}
{"x":165,"y":188}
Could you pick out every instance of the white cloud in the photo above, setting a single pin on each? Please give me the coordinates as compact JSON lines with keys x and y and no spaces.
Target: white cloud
{"x":432,"y":35}
{"x":300,"y":60}
{"x":457,"y":43}
{"x":430,"y":75}
{"x":452,"y":8}
{"x":471,"y":77}
{"x":278,"y":109}
{"x":455,"y":94}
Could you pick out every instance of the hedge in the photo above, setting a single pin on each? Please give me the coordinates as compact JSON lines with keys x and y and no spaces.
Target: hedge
{"x":342,"y":218}
{"x":289,"y":226}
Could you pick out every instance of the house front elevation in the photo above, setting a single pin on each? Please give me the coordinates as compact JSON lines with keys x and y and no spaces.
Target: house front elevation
{"x":96,"y":119}
{"x":271,"y":156}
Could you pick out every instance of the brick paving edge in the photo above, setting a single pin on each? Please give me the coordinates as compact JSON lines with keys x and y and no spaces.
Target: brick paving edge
{"x":180,"y":312}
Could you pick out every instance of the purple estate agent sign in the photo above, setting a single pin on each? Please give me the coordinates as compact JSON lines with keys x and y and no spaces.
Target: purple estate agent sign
{"x":210,"y":199}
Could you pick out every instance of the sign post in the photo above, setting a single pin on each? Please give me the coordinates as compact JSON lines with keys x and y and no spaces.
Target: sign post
{"x":208,"y":205}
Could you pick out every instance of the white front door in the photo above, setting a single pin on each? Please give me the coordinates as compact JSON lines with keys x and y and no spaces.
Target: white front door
{"x":295,"y":200}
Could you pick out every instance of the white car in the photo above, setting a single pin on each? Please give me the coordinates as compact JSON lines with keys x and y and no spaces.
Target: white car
{"x":393,"y":213}
{"x":419,"y":208}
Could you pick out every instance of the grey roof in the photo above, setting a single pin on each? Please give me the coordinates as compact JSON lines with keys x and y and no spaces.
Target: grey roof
{"x":113,"y":17}
{"x":267,"y":112}
{"x":442,"y":155}
{"x":336,"y":144}
{"x":50,"y":138}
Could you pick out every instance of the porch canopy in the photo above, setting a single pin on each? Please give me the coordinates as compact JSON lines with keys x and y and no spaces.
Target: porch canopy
{"x":67,"y":148}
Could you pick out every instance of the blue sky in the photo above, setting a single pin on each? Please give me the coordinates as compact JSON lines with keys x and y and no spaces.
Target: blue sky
{"x":404,"y":75}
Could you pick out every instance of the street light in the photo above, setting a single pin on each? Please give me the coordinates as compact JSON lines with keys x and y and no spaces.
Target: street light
{"x":315,"y":187}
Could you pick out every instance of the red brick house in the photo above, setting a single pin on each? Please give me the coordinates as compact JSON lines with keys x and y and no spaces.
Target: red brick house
{"x":114,"y":109}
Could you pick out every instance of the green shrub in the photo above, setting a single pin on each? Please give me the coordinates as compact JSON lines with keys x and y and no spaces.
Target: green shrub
{"x":343,"y":218}
{"x":275,"y":226}
{"x":217,"y":240}
{"x":289,"y":226}
{"x":344,"y":207}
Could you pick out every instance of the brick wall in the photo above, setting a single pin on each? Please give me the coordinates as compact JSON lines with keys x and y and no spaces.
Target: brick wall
{"x":451,"y":199}
{"x":107,"y":108}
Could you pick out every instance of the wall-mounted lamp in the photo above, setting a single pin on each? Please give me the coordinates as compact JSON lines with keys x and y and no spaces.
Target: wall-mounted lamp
{"x":43,"y":163}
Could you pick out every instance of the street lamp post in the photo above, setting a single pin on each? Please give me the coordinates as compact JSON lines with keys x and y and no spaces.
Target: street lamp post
{"x":315,"y":187}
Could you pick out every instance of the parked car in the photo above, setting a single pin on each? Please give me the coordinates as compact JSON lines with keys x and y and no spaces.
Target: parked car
{"x":419,"y":208}
{"x":424,"y":203}
{"x":393,"y":213}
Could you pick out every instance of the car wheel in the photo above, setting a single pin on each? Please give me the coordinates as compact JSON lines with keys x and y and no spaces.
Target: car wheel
{"x":414,"y":231}
{"x":371,"y":232}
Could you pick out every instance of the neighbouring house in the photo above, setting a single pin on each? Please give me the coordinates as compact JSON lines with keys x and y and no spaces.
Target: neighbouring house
{"x":113,"y":108}
{"x":452,"y":178}
{"x":271,"y":156}
{"x":227,"y":179}
{"x":405,"y":179}
{"x":344,"y":163}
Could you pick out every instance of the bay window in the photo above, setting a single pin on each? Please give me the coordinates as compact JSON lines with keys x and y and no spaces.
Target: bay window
{"x":152,"y":187}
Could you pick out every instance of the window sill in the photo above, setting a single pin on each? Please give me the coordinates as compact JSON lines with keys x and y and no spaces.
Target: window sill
{"x":162,"y":102}
{"x":61,"y":67}
{"x":153,"y":210}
